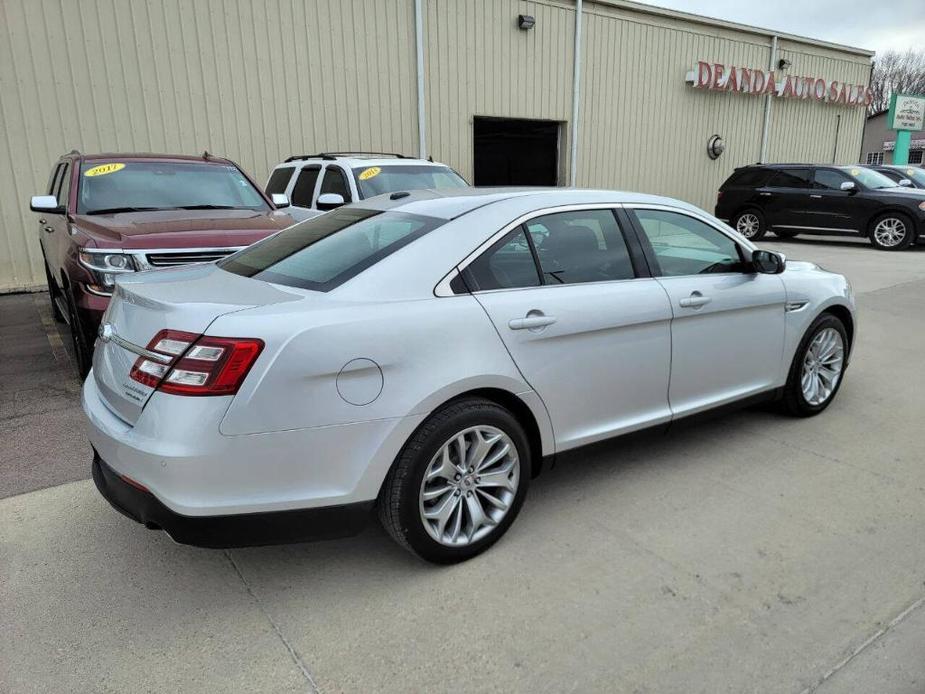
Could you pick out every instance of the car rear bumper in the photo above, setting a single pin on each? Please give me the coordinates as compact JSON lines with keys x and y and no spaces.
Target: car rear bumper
{"x":238,"y":530}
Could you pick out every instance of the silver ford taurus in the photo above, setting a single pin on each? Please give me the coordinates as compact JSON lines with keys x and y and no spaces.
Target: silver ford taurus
{"x":425,"y":354}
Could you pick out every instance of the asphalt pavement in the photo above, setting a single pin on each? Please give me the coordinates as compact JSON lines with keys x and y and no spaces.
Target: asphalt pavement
{"x":749,"y":553}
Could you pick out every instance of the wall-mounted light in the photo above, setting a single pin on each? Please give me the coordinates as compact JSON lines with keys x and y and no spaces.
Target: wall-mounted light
{"x":715,"y":146}
{"x":526,"y":21}
{"x":783,"y":64}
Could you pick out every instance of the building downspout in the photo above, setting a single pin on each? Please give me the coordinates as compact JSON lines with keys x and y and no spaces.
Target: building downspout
{"x":766,"y":126}
{"x":576,"y":96}
{"x":419,"y":50}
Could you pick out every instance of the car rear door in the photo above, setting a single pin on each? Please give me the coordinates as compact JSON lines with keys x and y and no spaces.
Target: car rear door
{"x":786,"y":197}
{"x":727,"y":328}
{"x":583,"y":321}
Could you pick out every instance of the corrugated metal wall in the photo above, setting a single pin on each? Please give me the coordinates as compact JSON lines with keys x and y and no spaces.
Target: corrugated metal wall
{"x":257,"y":80}
{"x":254,"y":80}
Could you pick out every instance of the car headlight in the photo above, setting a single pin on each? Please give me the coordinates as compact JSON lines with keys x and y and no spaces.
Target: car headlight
{"x":104,"y":267}
{"x":922,"y":205}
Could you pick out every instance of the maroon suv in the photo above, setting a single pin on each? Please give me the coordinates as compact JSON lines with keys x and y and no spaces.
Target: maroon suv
{"x":106,"y":214}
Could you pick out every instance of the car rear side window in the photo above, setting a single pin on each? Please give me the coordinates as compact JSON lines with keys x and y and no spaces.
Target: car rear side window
{"x":790,"y":178}
{"x":335,"y":182}
{"x":748,"y":178}
{"x":304,"y":187}
{"x":324,"y":252}
{"x":580,"y":246}
{"x":279,"y":179}
{"x":508,"y":264}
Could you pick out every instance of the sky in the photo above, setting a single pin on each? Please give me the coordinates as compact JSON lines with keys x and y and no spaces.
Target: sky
{"x":877,"y":25}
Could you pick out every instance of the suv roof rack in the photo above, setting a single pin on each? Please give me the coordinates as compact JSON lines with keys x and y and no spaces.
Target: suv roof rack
{"x":333,"y":155}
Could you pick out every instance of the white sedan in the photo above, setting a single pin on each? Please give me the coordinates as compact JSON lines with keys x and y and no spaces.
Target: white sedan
{"x":423,"y":355}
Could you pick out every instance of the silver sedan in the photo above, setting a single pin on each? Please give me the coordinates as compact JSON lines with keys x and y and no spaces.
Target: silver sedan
{"x":423,"y":356}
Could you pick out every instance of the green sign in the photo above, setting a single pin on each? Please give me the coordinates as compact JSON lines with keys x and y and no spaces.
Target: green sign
{"x":907,"y":114}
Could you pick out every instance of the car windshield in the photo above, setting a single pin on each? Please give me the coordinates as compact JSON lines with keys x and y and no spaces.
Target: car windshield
{"x":912,"y":173}
{"x":324,"y":252}
{"x":125,"y":186}
{"x":869,"y":178}
{"x":376,"y":180}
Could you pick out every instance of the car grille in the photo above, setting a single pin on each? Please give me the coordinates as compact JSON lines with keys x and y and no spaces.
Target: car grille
{"x":167,"y":259}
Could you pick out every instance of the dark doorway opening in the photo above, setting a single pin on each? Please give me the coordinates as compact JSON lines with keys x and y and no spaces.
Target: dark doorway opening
{"x":515,"y":152}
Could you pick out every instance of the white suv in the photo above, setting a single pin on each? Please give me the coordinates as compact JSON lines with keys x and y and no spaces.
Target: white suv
{"x":316,"y":183}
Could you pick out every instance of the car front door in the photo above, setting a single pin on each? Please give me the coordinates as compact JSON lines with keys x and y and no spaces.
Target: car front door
{"x":727,"y":330}
{"x":830,"y":207}
{"x":785,"y":197}
{"x":585,"y":324}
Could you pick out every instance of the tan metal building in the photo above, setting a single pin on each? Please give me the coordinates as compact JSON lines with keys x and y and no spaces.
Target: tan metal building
{"x":258,"y":80}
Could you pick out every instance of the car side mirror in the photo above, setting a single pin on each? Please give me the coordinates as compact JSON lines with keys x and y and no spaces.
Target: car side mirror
{"x":905,"y":182}
{"x":768,"y":262}
{"x":45,"y":203}
{"x":280,"y":200}
{"x":848,"y":186}
{"x":329,"y":201}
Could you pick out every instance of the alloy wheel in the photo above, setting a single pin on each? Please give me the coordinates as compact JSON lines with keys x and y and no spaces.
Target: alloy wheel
{"x":890,"y":232}
{"x":822,"y":366}
{"x":469,"y":486}
{"x":748,"y":225}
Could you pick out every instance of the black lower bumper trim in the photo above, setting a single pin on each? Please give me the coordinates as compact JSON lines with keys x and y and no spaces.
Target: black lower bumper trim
{"x":243,"y":530}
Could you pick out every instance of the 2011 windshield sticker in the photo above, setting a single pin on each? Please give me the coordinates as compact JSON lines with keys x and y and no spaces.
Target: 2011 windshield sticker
{"x":369,"y":173}
{"x":104,"y":169}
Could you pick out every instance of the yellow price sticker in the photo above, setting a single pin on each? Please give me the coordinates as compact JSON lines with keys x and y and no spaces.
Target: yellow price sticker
{"x":855,"y":172}
{"x":369,"y":173}
{"x":910,"y":172}
{"x":104,"y":169}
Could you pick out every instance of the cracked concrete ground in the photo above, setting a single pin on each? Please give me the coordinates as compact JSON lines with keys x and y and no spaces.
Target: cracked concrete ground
{"x":752,"y":553}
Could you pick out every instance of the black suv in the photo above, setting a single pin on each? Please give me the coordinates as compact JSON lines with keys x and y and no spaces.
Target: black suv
{"x":790,"y":199}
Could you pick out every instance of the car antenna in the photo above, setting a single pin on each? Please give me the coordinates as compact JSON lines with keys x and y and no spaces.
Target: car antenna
{"x":206,"y":155}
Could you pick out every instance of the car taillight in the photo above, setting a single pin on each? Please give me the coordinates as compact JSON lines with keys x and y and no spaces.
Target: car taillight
{"x":196,"y":364}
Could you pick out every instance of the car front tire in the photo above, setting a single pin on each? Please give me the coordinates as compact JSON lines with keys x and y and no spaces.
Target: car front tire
{"x":83,"y":345}
{"x":750,"y":223}
{"x":458,"y":483}
{"x":818,"y":367}
{"x":892,"y":231}
{"x":52,"y":293}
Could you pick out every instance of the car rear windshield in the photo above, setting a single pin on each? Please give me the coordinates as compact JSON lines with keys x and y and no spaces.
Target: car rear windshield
{"x":127,"y":186}
{"x":376,"y":180}
{"x":324,"y":252}
{"x":869,"y":178}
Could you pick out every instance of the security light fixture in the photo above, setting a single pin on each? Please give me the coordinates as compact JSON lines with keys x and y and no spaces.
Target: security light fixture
{"x":783,"y":64}
{"x":526,"y":21}
{"x":715,"y":146}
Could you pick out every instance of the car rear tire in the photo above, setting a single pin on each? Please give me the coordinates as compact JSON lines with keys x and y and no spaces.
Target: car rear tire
{"x":458,"y":483}
{"x":750,"y":223}
{"x":83,"y":345}
{"x":818,"y":367}
{"x":53,"y":293}
{"x":892,"y":231}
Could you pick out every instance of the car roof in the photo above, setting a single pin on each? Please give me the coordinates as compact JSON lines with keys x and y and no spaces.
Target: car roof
{"x":356,"y":161}
{"x":450,"y":203}
{"x":149,"y":156}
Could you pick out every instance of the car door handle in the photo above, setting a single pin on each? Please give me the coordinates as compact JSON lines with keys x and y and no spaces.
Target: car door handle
{"x":42,"y":221}
{"x":49,"y":229}
{"x":532,"y":321}
{"x":816,"y":197}
{"x":695,"y":300}
{"x":766,"y":195}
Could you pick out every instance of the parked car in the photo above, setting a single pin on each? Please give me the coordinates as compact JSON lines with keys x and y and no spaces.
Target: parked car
{"x":790,"y":199}
{"x":911,"y":176}
{"x":316,"y":183}
{"x":424,"y":354}
{"x":103,"y":215}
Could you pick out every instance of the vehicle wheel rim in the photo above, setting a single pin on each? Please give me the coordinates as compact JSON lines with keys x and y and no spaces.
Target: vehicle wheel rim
{"x":469,"y":486}
{"x":890,"y":232}
{"x":822,"y":366}
{"x":747,"y":225}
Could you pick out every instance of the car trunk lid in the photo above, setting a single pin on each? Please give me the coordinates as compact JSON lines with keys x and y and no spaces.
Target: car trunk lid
{"x":186,"y":299}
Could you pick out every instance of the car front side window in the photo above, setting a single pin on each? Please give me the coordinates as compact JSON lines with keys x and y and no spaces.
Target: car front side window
{"x":683,"y":245}
{"x":827,"y":179}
